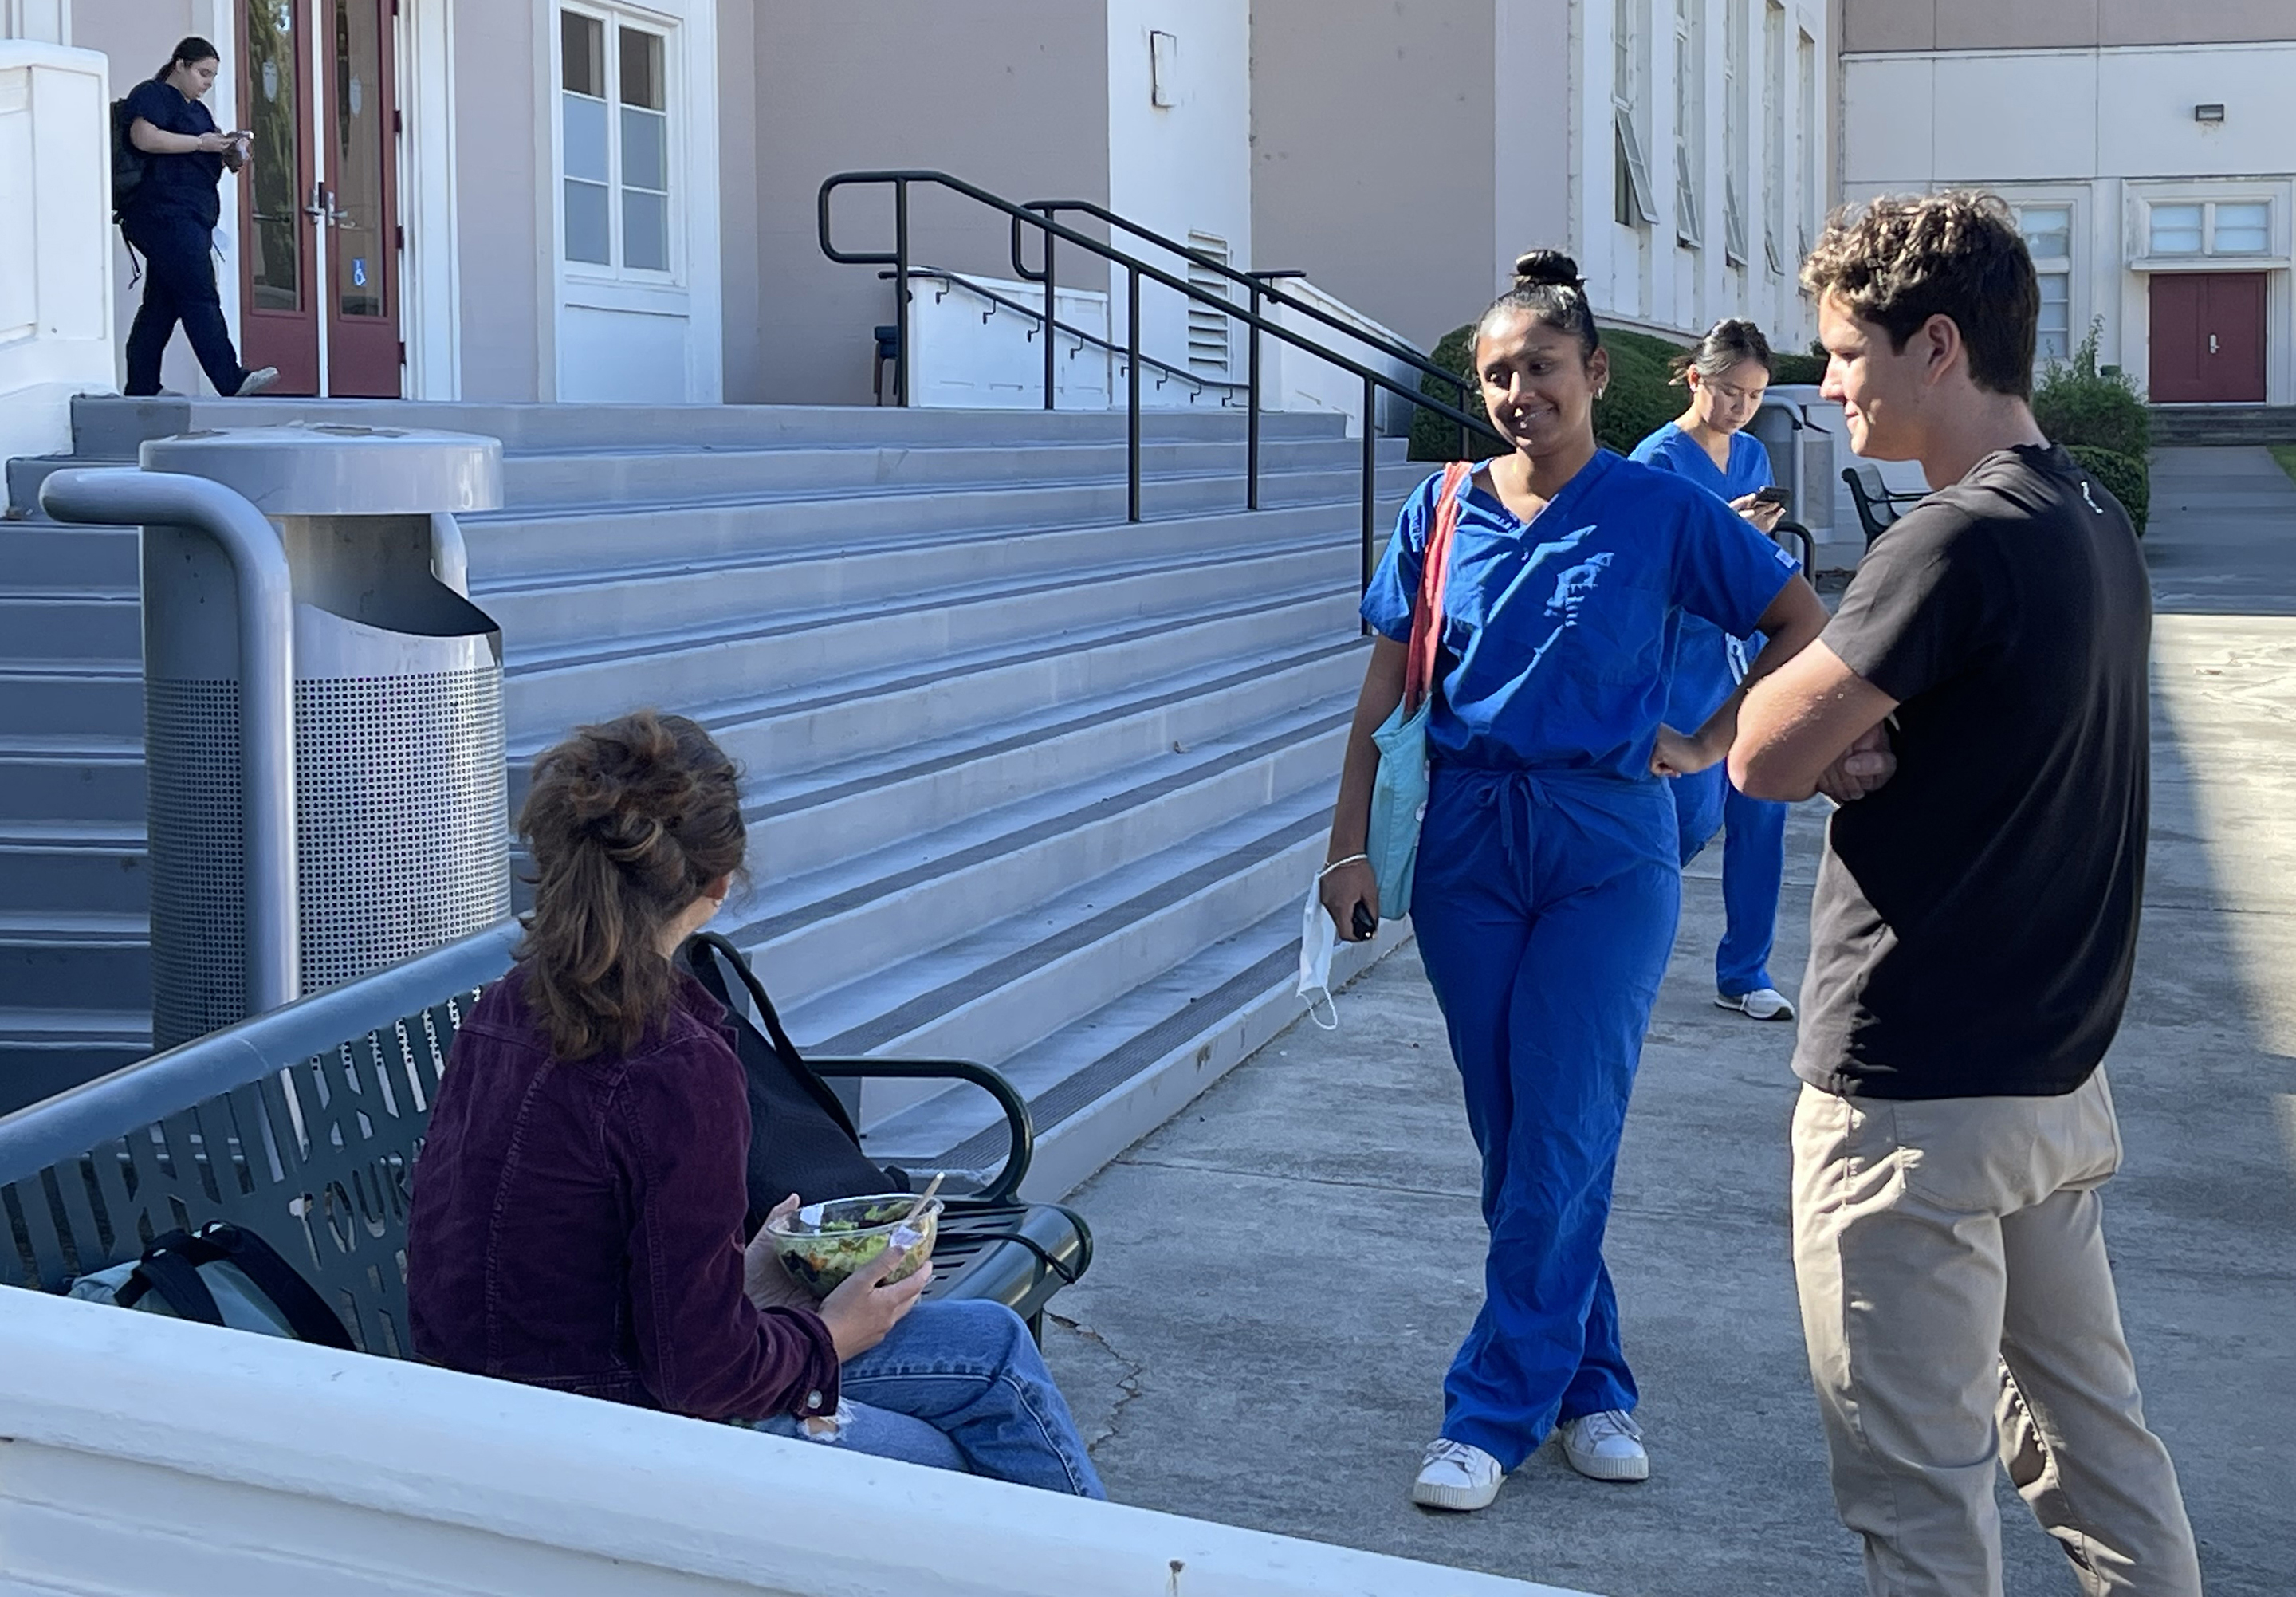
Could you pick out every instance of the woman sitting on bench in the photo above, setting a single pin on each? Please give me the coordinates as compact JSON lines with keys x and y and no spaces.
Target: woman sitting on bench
{"x":580,"y":1201}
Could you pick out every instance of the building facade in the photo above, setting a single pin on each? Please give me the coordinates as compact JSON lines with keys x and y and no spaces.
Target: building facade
{"x":2149,"y":149}
{"x":615,"y":200}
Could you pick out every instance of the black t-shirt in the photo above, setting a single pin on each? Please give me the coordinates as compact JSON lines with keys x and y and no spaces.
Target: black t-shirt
{"x":182,"y":185}
{"x":1975,"y":920}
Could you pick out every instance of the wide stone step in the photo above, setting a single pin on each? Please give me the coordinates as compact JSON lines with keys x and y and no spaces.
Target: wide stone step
{"x":42,"y":699}
{"x":80,"y":960}
{"x":65,"y":867}
{"x":42,"y":1050}
{"x":63,"y":777}
{"x":70,"y":627}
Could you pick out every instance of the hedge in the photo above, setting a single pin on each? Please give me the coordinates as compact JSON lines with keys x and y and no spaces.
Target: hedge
{"x":1641,"y":399}
{"x":2124,"y":477}
{"x":2078,"y":403}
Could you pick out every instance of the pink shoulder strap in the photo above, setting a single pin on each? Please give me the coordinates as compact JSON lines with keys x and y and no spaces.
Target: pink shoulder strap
{"x":1434,"y":575}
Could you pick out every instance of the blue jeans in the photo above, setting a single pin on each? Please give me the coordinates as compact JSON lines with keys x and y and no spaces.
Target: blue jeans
{"x":1753,"y":866}
{"x":1545,"y":907}
{"x":960,"y":1386}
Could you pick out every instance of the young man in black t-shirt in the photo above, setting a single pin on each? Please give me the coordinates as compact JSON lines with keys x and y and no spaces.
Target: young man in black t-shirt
{"x":1978,"y":707}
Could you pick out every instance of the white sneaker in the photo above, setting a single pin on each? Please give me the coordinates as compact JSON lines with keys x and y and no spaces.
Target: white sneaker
{"x":256,"y":382}
{"x":1457,"y":1476}
{"x":1606,"y":1446}
{"x":1763,"y":1004}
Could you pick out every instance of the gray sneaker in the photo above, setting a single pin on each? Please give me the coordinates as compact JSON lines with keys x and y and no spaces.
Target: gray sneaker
{"x":1605,"y":1446}
{"x":1763,"y":1004}
{"x":256,"y":382}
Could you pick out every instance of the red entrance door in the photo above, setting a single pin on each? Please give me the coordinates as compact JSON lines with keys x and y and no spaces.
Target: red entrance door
{"x":319,"y":209}
{"x":2207,"y":338}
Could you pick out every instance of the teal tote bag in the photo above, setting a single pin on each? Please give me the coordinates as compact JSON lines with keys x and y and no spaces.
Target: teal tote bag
{"x":1398,"y":792}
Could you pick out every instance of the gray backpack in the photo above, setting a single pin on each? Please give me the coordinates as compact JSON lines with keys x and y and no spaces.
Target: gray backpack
{"x":218,"y":1275}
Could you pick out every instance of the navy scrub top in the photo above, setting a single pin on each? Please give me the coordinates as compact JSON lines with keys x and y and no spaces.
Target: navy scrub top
{"x":1560,"y":635}
{"x":179,"y":186}
{"x":1708,"y":664}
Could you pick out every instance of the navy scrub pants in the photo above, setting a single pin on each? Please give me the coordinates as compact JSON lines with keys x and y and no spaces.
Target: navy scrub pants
{"x":1753,"y":865}
{"x":1545,"y":907}
{"x":179,"y":285}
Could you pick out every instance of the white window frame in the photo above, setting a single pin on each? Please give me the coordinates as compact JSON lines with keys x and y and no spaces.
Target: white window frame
{"x":2066,"y":266}
{"x":1738,"y":24}
{"x":1806,"y":138}
{"x":1635,"y":194}
{"x":1689,"y":122}
{"x":2208,"y":194}
{"x":1773,"y":135}
{"x":612,"y":19}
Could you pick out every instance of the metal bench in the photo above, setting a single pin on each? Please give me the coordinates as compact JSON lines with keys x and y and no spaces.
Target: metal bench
{"x":1878,"y":505}
{"x":302,"y":1126}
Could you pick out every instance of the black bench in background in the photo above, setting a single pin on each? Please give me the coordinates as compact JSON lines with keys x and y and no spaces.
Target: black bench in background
{"x":214,"y":1131}
{"x":1879,"y":506}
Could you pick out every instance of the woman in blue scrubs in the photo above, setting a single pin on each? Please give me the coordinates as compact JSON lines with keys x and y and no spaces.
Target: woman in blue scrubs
{"x":1728,"y":374}
{"x":1548,"y":879}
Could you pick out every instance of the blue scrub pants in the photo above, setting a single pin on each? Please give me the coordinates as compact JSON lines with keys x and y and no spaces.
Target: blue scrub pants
{"x":1545,"y":908}
{"x":1753,"y":865}
{"x":179,"y":285}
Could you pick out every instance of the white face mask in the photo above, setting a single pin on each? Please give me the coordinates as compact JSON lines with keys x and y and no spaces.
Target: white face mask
{"x":1318,"y":940}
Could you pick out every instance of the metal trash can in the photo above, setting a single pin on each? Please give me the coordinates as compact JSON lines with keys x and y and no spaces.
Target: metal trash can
{"x":400,"y":829}
{"x":1801,"y":455}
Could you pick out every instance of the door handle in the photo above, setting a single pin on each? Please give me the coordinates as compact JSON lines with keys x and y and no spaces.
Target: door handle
{"x":2212,"y":343}
{"x":313,"y":210}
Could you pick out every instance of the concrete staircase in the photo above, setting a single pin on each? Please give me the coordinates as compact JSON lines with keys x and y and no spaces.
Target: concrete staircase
{"x":2176,"y":426}
{"x":1027,"y":784}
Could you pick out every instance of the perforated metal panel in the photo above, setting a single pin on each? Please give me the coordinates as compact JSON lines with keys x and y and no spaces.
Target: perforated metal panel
{"x":199,"y":935}
{"x":402,"y":839}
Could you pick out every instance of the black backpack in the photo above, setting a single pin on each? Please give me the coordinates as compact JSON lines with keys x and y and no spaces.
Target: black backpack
{"x":129,"y":166}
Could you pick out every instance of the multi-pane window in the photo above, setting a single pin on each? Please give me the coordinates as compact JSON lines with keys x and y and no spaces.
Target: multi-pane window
{"x":1689,"y":120}
{"x":1773,"y":135}
{"x":1737,"y":20}
{"x":615,"y":149}
{"x":1633,"y":205}
{"x":1813,"y":192}
{"x":2211,"y":227}
{"x":2048,"y":230}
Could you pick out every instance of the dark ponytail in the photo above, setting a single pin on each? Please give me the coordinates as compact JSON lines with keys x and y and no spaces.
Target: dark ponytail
{"x":1548,"y":288}
{"x":627,"y":823}
{"x":189,"y":52}
{"x":1730,"y":345}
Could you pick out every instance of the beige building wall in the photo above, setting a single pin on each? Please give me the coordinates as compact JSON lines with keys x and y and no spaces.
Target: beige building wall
{"x":1011,"y":95}
{"x":737,"y":198}
{"x":1871,"y":26}
{"x":504,"y":253}
{"x":1372,"y":166}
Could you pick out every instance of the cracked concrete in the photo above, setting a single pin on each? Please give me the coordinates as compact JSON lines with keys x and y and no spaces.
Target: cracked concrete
{"x":1288,"y":1265}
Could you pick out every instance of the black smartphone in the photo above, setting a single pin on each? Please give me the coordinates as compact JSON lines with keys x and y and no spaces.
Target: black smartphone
{"x":1772,"y":494}
{"x":1366,"y":923}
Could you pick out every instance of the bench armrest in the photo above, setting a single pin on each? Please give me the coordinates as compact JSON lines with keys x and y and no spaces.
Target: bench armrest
{"x":1021,"y":1147}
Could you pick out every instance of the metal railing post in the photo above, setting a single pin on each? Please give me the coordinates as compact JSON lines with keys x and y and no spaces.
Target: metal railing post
{"x":1052,"y":316}
{"x":1132,"y":393}
{"x":119,"y":497}
{"x":1370,"y":476}
{"x":901,"y":292}
{"x":1252,"y":422}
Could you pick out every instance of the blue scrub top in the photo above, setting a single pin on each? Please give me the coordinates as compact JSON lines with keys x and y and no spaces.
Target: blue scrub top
{"x":1707,"y":664}
{"x":1560,"y":635}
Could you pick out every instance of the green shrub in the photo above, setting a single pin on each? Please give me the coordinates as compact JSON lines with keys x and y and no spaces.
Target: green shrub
{"x":2077,"y":404}
{"x":1642,"y":397}
{"x":1795,"y":368}
{"x":2126,"y":478}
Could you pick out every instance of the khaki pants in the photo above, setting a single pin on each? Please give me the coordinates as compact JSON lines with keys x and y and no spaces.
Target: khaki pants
{"x":1958,"y":1307}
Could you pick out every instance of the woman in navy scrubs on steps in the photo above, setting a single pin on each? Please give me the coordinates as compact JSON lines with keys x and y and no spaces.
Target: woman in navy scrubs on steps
{"x":1548,"y":877}
{"x":171,"y":218}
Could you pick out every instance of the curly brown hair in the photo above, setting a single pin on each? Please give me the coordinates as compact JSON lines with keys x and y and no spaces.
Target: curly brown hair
{"x":1899,"y":260}
{"x":627,"y":824}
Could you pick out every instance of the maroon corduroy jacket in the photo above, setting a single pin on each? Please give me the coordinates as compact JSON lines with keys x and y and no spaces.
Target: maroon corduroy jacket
{"x":577,"y":1226}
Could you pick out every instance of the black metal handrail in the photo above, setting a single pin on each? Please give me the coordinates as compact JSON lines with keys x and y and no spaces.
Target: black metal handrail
{"x":1259,"y":284}
{"x":1136,"y":271}
{"x":1172,"y":373}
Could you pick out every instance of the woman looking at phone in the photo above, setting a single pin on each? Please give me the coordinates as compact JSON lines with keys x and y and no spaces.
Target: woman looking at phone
{"x":171,"y":220}
{"x":1728,"y":374}
{"x":580,"y":1197}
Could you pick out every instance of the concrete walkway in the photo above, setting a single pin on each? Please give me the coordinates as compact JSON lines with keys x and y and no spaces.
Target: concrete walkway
{"x":1285,"y":1270}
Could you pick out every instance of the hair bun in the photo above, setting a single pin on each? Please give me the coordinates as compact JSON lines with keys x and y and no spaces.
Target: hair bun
{"x":1549,"y":268}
